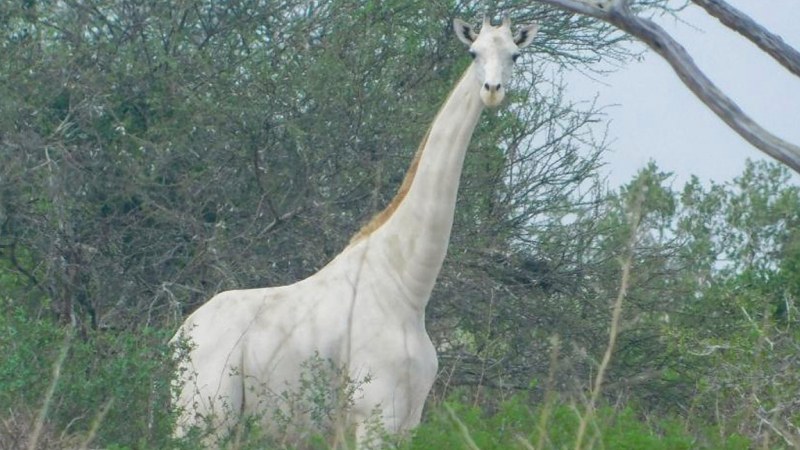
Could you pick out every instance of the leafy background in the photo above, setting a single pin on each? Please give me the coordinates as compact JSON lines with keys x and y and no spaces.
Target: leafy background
{"x":155,"y":153}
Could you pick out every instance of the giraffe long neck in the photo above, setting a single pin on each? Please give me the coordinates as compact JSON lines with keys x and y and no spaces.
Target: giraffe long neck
{"x":414,"y":231}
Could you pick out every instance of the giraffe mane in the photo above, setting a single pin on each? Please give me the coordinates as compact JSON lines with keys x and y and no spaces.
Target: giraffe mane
{"x":384,"y":215}
{"x":336,"y":315}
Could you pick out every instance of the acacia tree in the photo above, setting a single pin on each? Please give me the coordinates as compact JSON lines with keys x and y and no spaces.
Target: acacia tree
{"x":153,"y":154}
{"x":195,"y":148}
{"x":709,"y":328}
{"x":738,"y":330}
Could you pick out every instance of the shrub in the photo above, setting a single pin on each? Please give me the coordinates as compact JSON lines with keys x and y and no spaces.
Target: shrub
{"x":516,"y":424}
{"x":111,"y":386}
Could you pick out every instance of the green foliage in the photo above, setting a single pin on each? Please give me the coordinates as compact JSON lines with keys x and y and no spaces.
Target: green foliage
{"x":518,"y":424}
{"x":310,"y":412}
{"x":155,"y":153}
{"x":125,"y":375}
{"x":29,"y":347}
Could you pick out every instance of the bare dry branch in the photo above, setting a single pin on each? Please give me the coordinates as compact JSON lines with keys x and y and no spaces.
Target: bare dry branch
{"x":767,"y":41}
{"x":617,"y":13}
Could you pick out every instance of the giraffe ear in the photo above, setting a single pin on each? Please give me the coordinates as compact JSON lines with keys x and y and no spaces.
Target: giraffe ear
{"x":526,"y":34}
{"x":464,"y":31}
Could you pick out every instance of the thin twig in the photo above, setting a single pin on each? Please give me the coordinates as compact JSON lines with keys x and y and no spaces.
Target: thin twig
{"x":96,"y":423}
{"x":544,"y":416}
{"x":626,"y":261}
{"x":48,"y":398}
{"x":462,"y":428}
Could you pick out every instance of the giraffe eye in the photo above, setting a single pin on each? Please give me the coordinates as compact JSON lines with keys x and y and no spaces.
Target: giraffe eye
{"x":472,"y":54}
{"x":515,"y":56}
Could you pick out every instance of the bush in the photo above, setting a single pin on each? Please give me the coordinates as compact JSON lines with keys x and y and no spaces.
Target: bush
{"x":516,"y":424}
{"x":111,"y":386}
{"x":113,"y":391}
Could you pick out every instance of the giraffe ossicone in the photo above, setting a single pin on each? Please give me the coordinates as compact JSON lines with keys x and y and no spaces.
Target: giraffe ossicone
{"x":364,"y":311}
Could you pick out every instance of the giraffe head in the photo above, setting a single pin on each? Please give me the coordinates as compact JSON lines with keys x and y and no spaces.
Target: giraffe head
{"x":494,"y":51}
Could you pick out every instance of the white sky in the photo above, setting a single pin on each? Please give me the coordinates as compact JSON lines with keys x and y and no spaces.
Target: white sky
{"x":657,"y":118}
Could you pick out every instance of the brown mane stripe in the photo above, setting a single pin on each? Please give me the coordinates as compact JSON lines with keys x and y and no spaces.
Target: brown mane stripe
{"x":381,"y":217}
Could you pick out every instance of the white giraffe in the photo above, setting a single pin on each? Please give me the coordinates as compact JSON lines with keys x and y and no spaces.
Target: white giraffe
{"x":365,"y":310}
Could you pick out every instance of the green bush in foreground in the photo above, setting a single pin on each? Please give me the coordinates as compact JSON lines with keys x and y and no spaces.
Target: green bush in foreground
{"x":516,"y":424}
{"x":112,"y":391}
{"x":110,"y":385}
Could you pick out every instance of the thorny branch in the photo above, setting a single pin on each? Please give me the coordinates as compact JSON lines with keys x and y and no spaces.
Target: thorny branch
{"x":619,"y":14}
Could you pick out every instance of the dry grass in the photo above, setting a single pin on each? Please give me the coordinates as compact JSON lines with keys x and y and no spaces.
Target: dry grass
{"x":626,"y":261}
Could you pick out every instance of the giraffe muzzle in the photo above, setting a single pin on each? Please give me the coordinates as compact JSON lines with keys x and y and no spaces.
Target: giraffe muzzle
{"x":492,"y":94}
{"x":492,"y":88}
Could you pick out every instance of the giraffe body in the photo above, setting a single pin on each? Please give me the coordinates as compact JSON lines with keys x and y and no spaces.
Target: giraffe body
{"x":342,"y":315}
{"x":365,"y":310}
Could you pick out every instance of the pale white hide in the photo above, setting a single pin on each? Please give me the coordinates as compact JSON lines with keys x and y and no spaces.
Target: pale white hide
{"x":249,"y":345}
{"x":365,"y":310}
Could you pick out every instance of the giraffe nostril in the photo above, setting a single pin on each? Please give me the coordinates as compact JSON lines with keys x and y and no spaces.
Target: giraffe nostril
{"x":492,"y":87}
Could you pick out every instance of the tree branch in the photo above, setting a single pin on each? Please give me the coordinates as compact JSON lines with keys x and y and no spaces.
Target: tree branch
{"x":769,"y":42}
{"x":617,"y":13}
